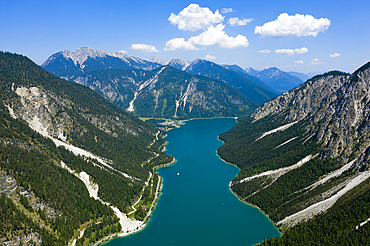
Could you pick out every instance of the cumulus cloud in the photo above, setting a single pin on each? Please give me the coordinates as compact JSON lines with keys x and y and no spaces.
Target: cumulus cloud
{"x":290,"y":52}
{"x":226,"y":10}
{"x":293,"y":26}
{"x":264,"y":51}
{"x":194,"y":18}
{"x":179,"y":44}
{"x":236,"y":22}
{"x":217,"y":36}
{"x":122,"y":51}
{"x":144,"y":47}
{"x":334,"y":55}
{"x":301,"y":50}
{"x":210,"y":57}
{"x":299,"y":62}
{"x":214,"y":35}
{"x":316,"y":61}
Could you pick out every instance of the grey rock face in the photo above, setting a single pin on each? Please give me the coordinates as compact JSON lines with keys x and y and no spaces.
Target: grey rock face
{"x":337,"y":107}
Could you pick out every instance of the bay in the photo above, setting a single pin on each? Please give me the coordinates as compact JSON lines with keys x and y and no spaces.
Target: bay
{"x":196,"y":206}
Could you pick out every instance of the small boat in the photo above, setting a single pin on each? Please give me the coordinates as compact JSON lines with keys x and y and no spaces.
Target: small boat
{"x":178,"y":174}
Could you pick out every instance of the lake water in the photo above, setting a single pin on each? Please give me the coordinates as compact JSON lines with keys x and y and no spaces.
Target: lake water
{"x":197,"y":206}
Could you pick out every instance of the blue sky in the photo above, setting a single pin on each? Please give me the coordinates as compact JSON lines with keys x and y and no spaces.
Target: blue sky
{"x":302,"y":36}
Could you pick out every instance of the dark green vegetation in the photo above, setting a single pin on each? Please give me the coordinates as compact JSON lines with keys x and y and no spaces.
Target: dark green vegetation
{"x":338,"y":226}
{"x":167,"y":92}
{"x":328,"y":120}
{"x":87,"y":121}
{"x":248,"y":85}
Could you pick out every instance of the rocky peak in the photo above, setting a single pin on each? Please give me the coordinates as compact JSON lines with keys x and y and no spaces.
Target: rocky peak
{"x":336,"y":109}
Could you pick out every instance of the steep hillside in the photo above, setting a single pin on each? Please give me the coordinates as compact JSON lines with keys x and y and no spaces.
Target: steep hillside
{"x":71,"y":162}
{"x":85,"y":59}
{"x":242,"y":83}
{"x":304,"y":159}
{"x":167,"y":93}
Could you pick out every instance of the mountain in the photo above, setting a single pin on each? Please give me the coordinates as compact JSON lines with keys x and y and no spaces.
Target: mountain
{"x":304,"y":160}
{"x":70,"y":160}
{"x":158,"y":60}
{"x":301,"y":76}
{"x":253,"y":78}
{"x":242,"y":83}
{"x":251,"y":71}
{"x":279,"y":80}
{"x":178,"y":63}
{"x":85,"y":59}
{"x":167,"y":92}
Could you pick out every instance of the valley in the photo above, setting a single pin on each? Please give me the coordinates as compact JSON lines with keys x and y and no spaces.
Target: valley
{"x":302,"y":154}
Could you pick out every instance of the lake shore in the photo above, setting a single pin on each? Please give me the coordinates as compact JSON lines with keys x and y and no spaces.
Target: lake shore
{"x":134,"y":226}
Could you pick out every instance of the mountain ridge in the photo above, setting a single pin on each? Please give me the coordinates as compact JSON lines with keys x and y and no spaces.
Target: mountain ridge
{"x":167,"y":92}
{"x":70,"y":159}
{"x":304,"y":157}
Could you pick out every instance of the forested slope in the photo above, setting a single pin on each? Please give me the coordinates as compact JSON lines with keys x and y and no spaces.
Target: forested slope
{"x":65,"y":153}
{"x":304,"y":160}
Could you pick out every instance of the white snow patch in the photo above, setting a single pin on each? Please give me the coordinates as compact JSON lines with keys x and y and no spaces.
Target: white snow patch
{"x":322,"y":206}
{"x":362,"y":223}
{"x":281,"y":128}
{"x":131,"y":107}
{"x":281,"y":171}
{"x":126,"y":223}
{"x":331,"y":175}
{"x":91,"y":187}
{"x":286,"y":142}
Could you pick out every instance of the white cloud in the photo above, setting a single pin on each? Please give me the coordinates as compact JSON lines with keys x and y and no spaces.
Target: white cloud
{"x":226,"y":10}
{"x":316,"y":61}
{"x":210,"y":57}
{"x":290,"y":52}
{"x":299,"y":62}
{"x":144,"y":47}
{"x":334,"y":55}
{"x":293,"y":26}
{"x":179,"y":44}
{"x":217,"y":36}
{"x":264,"y":51}
{"x":194,"y":18}
{"x":122,"y":51}
{"x":301,"y":50}
{"x":236,"y":22}
{"x":214,"y":35}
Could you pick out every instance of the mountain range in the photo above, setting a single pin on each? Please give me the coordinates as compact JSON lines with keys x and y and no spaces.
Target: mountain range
{"x":167,"y":92}
{"x":304,"y":160}
{"x":272,"y":79}
{"x":85,"y":59}
{"x":84,"y":64}
{"x":74,"y":165}
{"x":70,"y":160}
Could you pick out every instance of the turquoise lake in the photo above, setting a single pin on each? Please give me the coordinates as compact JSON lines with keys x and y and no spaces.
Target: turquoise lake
{"x":197,"y":206}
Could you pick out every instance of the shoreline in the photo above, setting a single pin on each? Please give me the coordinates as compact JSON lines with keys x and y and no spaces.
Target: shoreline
{"x":143,"y":224}
{"x":239,"y":198}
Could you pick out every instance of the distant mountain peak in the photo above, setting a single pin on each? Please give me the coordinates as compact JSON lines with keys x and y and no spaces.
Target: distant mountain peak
{"x":66,"y":63}
{"x":157,"y":60}
{"x":178,"y":63}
